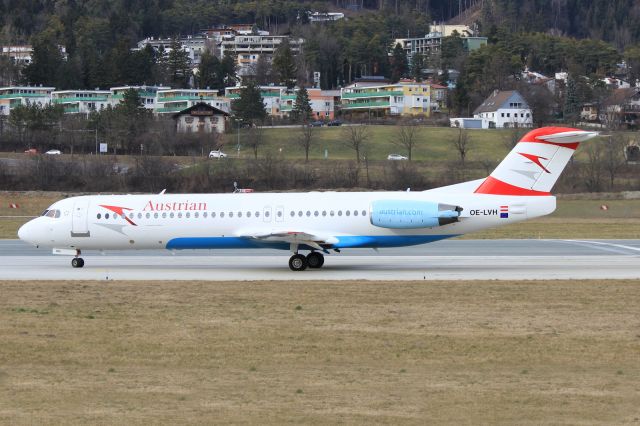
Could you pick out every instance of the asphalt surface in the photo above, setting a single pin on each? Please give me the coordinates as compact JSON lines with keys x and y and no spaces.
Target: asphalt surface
{"x":450,"y":259}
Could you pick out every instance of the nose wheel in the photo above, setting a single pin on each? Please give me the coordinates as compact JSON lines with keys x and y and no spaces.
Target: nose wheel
{"x":77,"y":262}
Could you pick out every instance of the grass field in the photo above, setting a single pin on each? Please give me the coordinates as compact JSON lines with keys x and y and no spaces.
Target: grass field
{"x":574,"y":218}
{"x":526,"y":353}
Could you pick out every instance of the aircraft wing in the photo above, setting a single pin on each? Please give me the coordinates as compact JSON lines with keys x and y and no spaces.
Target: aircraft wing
{"x":312,"y":239}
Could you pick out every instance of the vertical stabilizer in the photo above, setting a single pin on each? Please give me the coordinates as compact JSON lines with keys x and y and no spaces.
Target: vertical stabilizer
{"x":535,"y":163}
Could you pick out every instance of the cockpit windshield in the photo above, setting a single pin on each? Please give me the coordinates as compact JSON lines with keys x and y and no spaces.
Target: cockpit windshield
{"x":54,"y":213}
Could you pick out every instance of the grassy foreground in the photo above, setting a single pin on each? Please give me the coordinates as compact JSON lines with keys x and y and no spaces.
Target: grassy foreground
{"x":574,"y":218}
{"x":561,"y":352}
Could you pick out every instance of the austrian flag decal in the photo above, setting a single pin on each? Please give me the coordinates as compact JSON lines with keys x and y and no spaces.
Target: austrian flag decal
{"x":504,"y":212}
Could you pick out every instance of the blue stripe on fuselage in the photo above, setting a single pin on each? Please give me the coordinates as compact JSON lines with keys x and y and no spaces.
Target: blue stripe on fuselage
{"x":369,"y":241}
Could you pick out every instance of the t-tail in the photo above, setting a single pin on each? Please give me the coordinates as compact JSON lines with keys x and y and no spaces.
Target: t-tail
{"x":535,"y":163}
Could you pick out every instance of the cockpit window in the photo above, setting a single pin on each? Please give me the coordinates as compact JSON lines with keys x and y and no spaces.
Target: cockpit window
{"x":51,"y":213}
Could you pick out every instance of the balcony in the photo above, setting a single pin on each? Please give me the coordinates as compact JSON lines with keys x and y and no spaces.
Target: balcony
{"x":365,"y":105}
{"x":25,"y":95}
{"x":384,"y":93}
{"x":194,"y":97}
{"x":76,"y":99}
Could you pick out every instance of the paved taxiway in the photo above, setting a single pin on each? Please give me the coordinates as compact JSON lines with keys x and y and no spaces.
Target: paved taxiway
{"x":444,"y":260}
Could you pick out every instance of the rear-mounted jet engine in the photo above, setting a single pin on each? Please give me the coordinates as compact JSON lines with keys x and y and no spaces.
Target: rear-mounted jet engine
{"x":405,"y":214}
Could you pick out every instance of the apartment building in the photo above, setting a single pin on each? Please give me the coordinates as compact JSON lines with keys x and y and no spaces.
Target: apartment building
{"x":148,"y":94}
{"x":249,"y":48}
{"x":12,"y":96}
{"x":273,"y":97}
{"x":405,"y":98}
{"x":194,"y":45}
{"x":175,"y":100}
{"x":81,"y":101}
{"x":432,"y":42}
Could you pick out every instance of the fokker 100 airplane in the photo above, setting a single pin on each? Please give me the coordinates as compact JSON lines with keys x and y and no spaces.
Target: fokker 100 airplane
{"x":317,"y":222}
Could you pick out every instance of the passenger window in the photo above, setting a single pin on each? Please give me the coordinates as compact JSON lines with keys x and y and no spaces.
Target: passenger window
{"x":106,"y":215}
{"x":348,"y":213}
{"x":266,"y":214}
{"x":355,"y":212}
{"x":196,"y":215}
{"x":230,"y":214}
{"x":204,"y":214}
{"x":148,"y":215}
{"x":187,"y":215}
{"x":130,"y":215}
{"x":300,"y":213}
{"x":364,"y":212}
{"x":139,"y":216}
{"x":339,"y":212}
{"x":257,"y":214}
{"x":308,"y":213}
{"x":332,"y":213}
{"x":221,"y":215}
{"x":239,"y":214}
{"x":324,"y":212}
{"x":98,"y":215}
{"x":316,"y":213}
{"x":248,"y":214}
{"x":171,"y":215}
{"x":164,"y":215}
{"x":293,"y":213}
{"x":213,"y":215}
{"x":179,"y":215}
{"x":279,"y":213}
{"x":155,"y":215}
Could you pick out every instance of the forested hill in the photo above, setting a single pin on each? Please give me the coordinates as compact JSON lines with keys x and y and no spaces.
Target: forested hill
{"x":614,"y":21}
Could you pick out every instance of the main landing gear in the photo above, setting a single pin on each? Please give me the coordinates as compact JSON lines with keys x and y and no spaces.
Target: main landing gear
{"x":299,"y":262}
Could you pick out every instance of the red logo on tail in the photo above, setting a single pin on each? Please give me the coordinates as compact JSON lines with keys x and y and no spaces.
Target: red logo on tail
{"x":536,"y":159}
{"x":119,"y":211}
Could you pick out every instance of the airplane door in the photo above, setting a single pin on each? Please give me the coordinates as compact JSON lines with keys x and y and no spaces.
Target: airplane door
{"x":79,"y":219}
{"x":279,"y":213}
{"x":266,"y":214}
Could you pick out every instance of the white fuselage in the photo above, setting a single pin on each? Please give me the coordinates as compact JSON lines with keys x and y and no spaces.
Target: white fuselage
{"x":209,"y":221}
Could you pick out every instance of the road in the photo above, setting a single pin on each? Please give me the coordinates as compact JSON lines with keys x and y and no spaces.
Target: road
{"x":446,"y":260}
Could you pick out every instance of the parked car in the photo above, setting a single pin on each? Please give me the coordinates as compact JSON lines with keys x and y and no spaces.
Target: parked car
{"x":316,"y":123}
{"x":217,"y":154}
{"x":396,"y":157}
{"x":334,"y":123}
{"x":54,"y":152}
{"x":31,"y":151}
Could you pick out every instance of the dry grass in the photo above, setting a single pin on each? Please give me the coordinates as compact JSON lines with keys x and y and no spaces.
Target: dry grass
{"x":562,"y":352}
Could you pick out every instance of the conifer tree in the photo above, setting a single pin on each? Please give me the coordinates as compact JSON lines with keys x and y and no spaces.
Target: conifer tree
{"x":302,"y":111}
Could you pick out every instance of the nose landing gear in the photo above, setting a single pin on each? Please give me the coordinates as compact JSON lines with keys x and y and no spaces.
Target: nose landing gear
{"x":77,"y":262}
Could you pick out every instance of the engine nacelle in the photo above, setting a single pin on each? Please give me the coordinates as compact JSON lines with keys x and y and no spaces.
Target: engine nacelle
{"x":409,"y":214}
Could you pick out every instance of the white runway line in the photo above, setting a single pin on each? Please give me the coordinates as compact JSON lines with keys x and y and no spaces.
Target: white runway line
{"x":601,"y":243}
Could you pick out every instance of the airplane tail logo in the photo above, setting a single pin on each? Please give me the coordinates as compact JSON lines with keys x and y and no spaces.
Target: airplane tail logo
{"x":535,"y":163}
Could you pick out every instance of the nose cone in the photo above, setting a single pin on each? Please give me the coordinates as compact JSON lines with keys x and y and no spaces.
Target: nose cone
{"x":27,"y":232}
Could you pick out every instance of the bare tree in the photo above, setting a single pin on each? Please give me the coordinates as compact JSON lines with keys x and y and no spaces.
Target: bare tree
{"x":462,"y":143}
{"x":613,"y":158}
{"x":593,"y":167}
{"x":306,"y":139}
{"x":512,"y":137}
{"x":407,"y":136}
{"x":255,"y":139}
{"x":356,"y":138}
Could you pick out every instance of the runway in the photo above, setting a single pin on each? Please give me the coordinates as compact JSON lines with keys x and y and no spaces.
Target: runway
{"x":444,"y":260}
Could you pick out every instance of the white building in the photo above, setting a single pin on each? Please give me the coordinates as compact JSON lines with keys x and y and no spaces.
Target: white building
{"x":12,"y":96}
{"x":249,"y":48}
{"x":148,"y":94}
{"x":81,"y":101}
{"x":195,"y":46}
{"x":504,"y":109}
{"x":175,"y":100}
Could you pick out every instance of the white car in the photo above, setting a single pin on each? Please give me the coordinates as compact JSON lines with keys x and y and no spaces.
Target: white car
{"x":54,"y":152}
{"x":217,"y":154}
{"x":396,"y":157}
